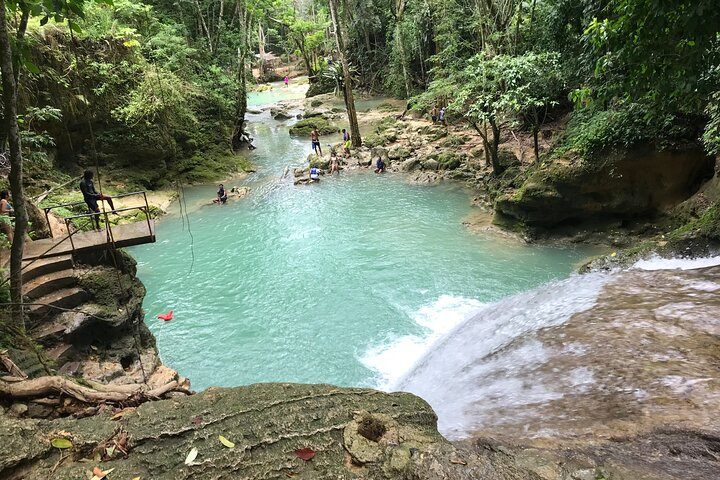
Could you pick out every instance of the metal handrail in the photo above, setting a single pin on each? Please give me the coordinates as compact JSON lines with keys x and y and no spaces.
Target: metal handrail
{"x":73,"y":204}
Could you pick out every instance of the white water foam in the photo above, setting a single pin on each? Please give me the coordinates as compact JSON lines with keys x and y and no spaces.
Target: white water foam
{"x":393,"y":359}
{"x":478,"y":367}
{"x":659,"y":263}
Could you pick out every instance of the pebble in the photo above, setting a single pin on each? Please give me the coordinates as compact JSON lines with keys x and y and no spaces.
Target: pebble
{"x":18,"y":409}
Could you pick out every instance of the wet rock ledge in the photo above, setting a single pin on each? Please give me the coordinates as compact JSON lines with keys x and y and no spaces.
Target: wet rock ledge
{"x":353,"y":433}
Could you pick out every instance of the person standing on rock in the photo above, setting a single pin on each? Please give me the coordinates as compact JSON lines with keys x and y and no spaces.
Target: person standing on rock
{"x":91,"y":197}
{"x":346,"y":142}
{"x":315,"y":139}
{"x":286,"y":80}
{"x":5,"y":210}
{"x":442,"y":117}
{"x":221,"y":195}
{"x":434,"y":114}
{"x":334,"y":163}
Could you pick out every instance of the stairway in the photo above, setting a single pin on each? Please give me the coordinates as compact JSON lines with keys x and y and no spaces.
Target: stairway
{"x":50,"y":282}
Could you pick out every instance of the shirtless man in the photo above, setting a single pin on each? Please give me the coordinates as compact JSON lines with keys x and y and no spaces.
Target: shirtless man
{"x":315,"y":139}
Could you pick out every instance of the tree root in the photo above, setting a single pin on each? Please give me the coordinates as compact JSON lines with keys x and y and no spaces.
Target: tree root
{"x":93,"y":394}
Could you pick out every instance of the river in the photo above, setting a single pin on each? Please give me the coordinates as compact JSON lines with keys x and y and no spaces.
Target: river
{"x":346,"y":282}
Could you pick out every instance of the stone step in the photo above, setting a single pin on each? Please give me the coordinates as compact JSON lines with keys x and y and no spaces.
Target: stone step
{"x":50,"y":332}
{"x":60,"y":353}
{"x":28,"y":362}
{"x":44,"y":266}
{"x":45,"y":284}
{"x":64,"y":298}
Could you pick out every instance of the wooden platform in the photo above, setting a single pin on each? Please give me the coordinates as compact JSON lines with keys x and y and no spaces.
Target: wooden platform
{"x":125,"y":235}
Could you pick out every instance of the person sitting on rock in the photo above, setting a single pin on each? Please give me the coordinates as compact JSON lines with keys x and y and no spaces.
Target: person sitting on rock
{"x":314,"y":174}
{"x":380,"y":166}
{"x":221,"y":195}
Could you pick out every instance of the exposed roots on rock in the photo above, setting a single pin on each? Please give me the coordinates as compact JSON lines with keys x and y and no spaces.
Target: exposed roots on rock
{"x":94,"y":393}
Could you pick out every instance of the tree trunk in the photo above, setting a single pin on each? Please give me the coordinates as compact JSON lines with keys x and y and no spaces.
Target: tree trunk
{"x":261,"y":51}
{"x":536,"y":144}
{"x":9,"y":96}
{"x":399,"y":13}
{"x":241,"y":98}
{"x":347,"y":81}
{"x":204,"y":27}
{"x":497,"y":168}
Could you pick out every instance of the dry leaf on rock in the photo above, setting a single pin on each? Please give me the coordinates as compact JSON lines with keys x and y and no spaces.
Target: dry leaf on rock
{"x":98,"y":474}
{"x":61,"y":443}
{"x":226,"y":442}
{"x":191,"y":456}
{"x":305,"y":453}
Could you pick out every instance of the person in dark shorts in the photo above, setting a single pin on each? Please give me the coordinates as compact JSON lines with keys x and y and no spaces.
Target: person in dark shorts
{"x":380,"y":166}
{"x":221,"y":195}
{"x":315,"y":139}
{"x":91,"y":196}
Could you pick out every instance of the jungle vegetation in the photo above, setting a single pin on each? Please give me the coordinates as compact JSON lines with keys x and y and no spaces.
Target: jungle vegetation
{"x":157,"y":89}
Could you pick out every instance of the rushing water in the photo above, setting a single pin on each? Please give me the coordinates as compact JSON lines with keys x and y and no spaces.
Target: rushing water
{"x":602,"y":354}
{"x":344,"y":282}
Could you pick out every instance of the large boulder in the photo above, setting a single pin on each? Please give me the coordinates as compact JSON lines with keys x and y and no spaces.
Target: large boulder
{"x":410,"y":164}
{"x":376,"y":152}
{"x":305,"y":126}
{"x":280,"y":113}
{"x":620,"y":185}
{"x":399,"y":153}
{"x":314,"y":160}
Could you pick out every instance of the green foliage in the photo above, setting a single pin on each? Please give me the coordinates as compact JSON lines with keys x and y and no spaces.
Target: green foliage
{"x":655,"y":52}
{"x":591,"y":130}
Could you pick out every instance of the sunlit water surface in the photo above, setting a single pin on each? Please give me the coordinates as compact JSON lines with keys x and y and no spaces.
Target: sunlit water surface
{"x":345,"y":282}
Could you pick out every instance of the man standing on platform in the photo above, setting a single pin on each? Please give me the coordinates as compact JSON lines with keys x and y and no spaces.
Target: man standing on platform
{"x":91,"y":197}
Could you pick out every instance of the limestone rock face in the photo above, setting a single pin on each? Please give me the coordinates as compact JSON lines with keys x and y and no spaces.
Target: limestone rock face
{"x":354,"y":433}
{"x":623,"y":185}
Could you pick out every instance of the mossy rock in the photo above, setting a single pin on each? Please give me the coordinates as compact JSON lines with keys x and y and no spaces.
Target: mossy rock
{"x":433,"y":132}
{"x":306,"y":125}
{"x":449,"y":160}
{"x":374,"y":140}
{"x":385,"y":124}
{"x":316,"y":102}
{"x":453,"y":141}
{"x":386,"y":107}
{"x":321,"y":85}
{"x":477,"y":152}
{"x":352,"y":433}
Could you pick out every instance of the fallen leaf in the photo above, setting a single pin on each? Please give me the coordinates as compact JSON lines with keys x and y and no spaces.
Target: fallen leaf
{"x":61,"y":443}
{"x":110,"y":451}
{"x":136,"y":478}
{"x":191,"y":456}
{"x":99,"y":474}
{"x":226,"y":442}
{"x":122,"y":413}
{"x":305,"y":453}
